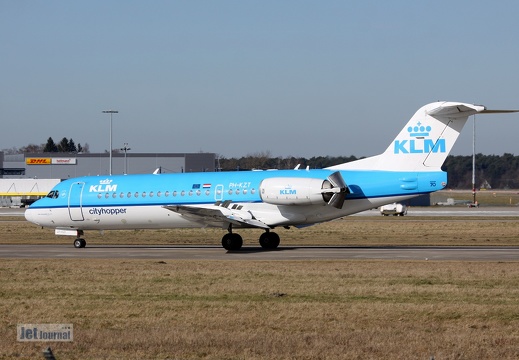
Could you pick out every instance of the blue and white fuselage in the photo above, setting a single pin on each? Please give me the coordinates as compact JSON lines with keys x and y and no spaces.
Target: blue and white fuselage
{"x":410,"y":166}
{"x":149,"y":201}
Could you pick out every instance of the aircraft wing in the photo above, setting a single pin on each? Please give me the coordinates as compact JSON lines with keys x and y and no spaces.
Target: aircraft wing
{"x":217,"y":215}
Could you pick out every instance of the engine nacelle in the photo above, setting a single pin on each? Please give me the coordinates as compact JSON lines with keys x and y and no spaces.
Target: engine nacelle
{"x":294,"y":191}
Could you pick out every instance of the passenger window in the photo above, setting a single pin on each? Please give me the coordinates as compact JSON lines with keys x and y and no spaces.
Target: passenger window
{"x":99,"y":195}
{"x":151,"y":193}
{"x":166,"y":193}
{"x":129,"y":194}
{"x":182,"y":193}
{"x":144,"y":194}
{"x":136,"y":194}
{"x":114,"y":195}
{"x":207,"y":192}
{"x":121,"y":195}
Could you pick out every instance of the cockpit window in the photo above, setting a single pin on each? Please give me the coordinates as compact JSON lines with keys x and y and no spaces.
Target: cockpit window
{"x":53,"y":194}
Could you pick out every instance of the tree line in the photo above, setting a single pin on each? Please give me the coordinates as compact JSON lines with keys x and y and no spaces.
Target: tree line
{"x":265,"y":161}
{"x":64,"y":146}
{"x":491,"y":171}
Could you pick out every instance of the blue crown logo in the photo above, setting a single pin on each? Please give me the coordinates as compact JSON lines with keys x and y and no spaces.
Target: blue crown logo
{"x":418,"y":130}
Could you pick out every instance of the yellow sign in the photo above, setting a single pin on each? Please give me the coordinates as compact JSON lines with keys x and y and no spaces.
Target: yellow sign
{"x":38,"y":161}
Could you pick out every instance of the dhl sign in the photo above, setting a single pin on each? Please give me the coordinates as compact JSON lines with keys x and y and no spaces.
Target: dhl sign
{"x":38,"y":161}
{"x":48,"y":161}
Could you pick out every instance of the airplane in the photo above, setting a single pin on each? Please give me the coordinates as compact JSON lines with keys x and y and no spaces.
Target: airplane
{"x":409,"y":167}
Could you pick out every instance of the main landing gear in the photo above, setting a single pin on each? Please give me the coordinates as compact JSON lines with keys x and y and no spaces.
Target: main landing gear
{"x":232,"y":241}
{"x":269,"y":240}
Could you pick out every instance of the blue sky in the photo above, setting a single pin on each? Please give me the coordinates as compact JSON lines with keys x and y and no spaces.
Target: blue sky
{"x":291,"y":78}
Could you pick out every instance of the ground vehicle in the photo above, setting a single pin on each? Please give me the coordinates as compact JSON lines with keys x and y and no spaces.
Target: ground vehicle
{"x":395,"y":209}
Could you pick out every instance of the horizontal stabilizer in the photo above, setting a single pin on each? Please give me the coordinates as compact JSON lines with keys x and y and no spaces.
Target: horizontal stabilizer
{"x":498,"y":111}
{"x":454,"y":110}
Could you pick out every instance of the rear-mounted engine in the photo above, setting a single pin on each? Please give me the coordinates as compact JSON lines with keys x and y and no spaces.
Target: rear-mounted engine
{"x":304,"y":191}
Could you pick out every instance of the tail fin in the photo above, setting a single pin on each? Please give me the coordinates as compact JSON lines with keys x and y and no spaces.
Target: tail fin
{"x":426,"y":141}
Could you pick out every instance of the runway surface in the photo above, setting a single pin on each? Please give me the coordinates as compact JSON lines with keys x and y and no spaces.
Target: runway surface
{"x":257,"y":253}
{"x":284,"y":252}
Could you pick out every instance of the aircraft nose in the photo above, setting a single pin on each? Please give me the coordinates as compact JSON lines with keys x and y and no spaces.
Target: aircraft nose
{"x":41,"y":217}
{"x":30,"y":215}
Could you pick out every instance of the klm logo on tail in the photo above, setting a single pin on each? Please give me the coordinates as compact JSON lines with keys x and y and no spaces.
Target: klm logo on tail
{"x":418,"y":142}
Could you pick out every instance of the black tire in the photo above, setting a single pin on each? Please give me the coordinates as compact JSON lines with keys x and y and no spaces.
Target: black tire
{"x":232,"y":242}
{"x":78,"y":243}
{"x":269,"y":240}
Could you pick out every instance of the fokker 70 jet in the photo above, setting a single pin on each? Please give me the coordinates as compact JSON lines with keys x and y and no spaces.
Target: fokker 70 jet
{"x":410,"y":166}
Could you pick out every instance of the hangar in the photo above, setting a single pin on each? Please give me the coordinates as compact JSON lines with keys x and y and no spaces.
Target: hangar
{"x":24,"y":177}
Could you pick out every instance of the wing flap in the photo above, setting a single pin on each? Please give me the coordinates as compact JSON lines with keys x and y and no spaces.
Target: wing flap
{"x":214,"y":215}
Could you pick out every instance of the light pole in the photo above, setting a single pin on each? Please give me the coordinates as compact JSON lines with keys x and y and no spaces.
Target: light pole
{"x":474,"y":160}
{"x":125,"y":148}
{"x":110,"y":112}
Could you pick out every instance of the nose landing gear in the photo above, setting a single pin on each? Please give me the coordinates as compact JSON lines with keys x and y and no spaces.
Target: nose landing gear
{"x":79,"y":243}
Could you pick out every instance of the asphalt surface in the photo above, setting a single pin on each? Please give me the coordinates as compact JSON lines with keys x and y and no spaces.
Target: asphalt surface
{"x":257,"y":253}
{"x":283,"y":252}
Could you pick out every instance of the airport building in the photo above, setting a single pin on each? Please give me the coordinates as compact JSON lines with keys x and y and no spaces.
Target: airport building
{"x":28,"y":176}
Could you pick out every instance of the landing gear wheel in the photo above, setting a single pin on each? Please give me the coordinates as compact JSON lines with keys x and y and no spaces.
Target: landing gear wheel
{"x":269,"y":240}
{"x":232,"y":242}
{"x":79,"y":243}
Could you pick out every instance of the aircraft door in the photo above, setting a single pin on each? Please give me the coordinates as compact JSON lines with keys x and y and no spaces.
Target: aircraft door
{"x":218,"y":192}
{"x":75,"y":201}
